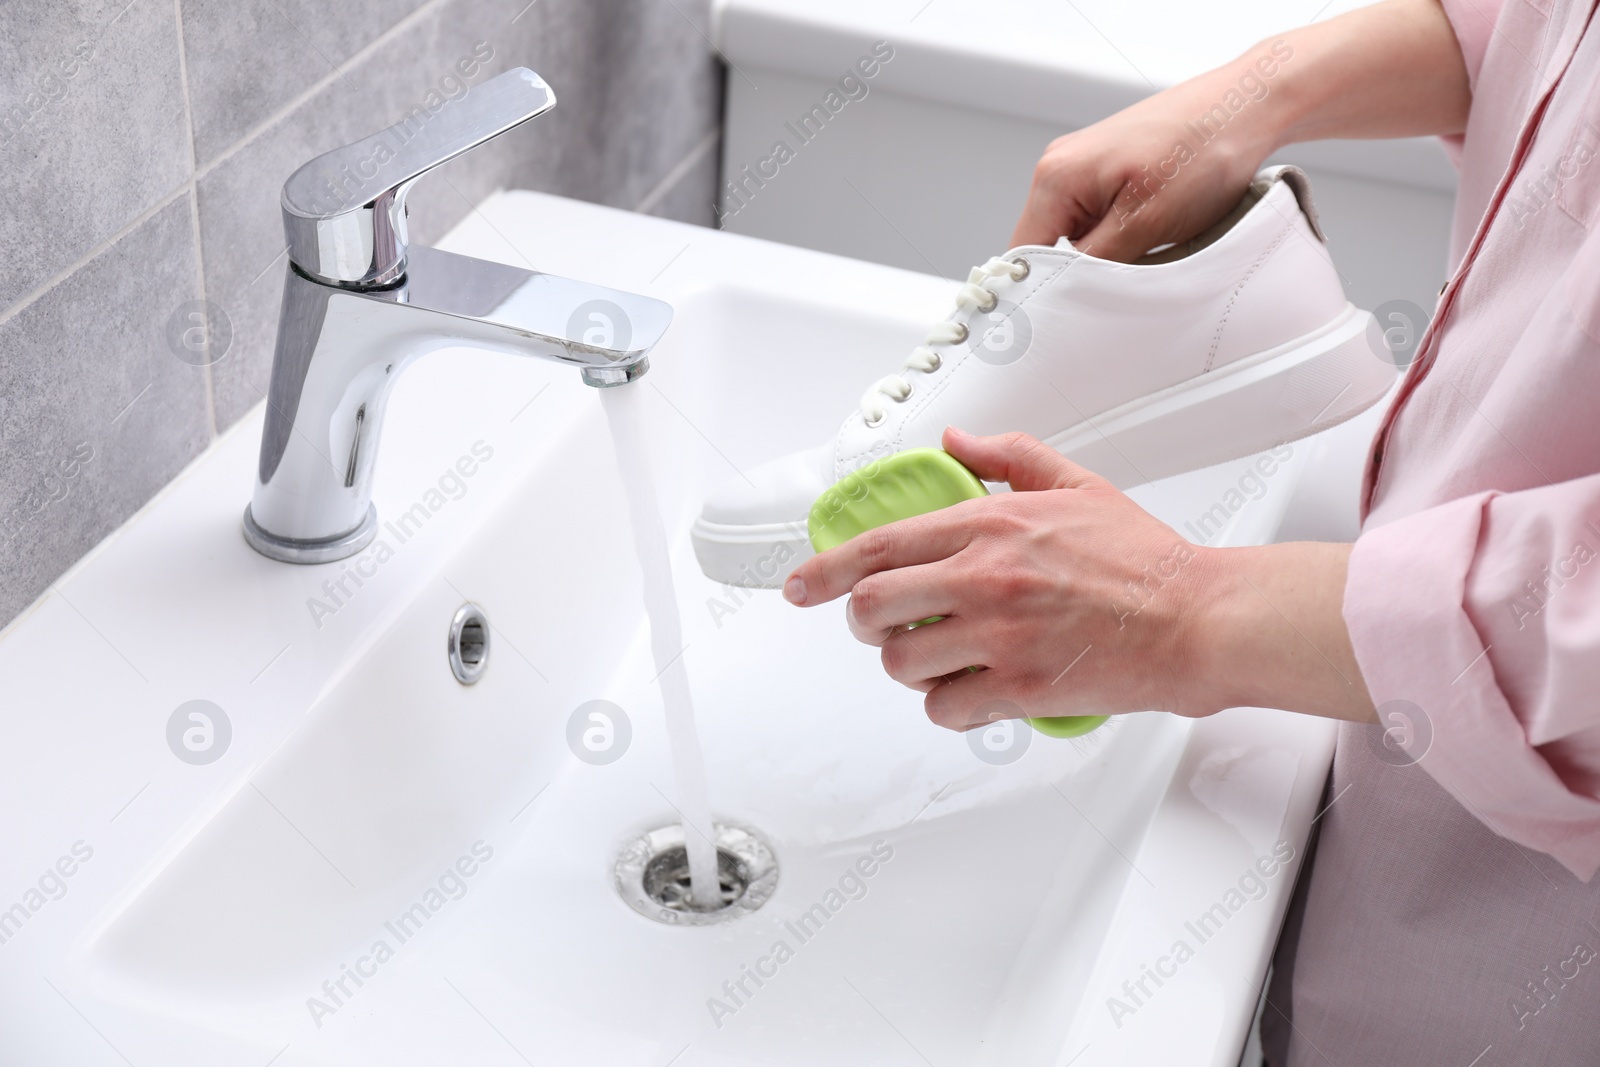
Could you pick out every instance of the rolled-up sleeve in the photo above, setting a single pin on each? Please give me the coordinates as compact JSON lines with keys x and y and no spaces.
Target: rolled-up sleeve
{"x":1473,"y":21}
{"x":1484,"y":612}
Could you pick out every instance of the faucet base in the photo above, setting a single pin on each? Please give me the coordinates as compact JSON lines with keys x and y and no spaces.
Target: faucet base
{"x":327,"y":550}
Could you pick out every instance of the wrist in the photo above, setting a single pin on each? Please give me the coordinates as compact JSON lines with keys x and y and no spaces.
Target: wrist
{"x":1266,"y":629}
{"x":1215,"y":641}
{"x":1245,"y":107}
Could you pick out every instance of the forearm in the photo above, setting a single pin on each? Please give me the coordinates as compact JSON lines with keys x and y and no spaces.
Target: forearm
{"x":1269,"y":631}
{"x":1391,"y":70}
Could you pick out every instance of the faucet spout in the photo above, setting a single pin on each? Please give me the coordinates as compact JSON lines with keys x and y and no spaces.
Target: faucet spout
{"x":606,"y":333}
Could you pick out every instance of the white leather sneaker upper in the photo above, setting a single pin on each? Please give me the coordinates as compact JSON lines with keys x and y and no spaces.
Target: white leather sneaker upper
{"x":1154,"y":324}
{"x":774,"y":488}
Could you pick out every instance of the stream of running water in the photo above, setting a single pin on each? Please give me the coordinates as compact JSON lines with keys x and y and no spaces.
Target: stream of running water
{"x":624,"y":408}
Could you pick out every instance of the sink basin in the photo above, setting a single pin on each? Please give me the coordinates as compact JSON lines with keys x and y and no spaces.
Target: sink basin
{"x":353,"y":859}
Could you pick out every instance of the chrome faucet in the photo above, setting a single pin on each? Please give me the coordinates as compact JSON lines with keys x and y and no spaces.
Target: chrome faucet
{"x":359,"y":304}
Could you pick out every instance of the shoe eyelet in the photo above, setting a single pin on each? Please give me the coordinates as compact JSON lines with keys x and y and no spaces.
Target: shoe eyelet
{"x":874,"y":423}
{"x":965,"y":333}
{"x":1027,"y":268}
{"x":994,"y":302}
{"x":937,"y":362}
{"x":903,"y":398}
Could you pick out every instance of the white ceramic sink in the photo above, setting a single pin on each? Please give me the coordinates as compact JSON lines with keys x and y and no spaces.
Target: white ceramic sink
{"x":220,"y":903}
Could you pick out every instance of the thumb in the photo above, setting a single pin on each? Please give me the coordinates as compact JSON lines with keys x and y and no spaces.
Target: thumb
{"x":1026,"y":463}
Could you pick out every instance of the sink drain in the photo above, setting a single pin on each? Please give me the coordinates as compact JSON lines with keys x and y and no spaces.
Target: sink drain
{"x":652,"y":876}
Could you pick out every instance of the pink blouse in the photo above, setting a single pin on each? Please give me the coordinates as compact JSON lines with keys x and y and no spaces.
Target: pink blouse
{"x":1437,"y":927}
{"x":1474,"y":589}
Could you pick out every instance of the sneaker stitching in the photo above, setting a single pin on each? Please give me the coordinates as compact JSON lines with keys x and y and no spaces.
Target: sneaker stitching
{"x":1222,"y":323}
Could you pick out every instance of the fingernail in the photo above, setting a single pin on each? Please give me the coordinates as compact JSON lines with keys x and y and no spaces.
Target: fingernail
{"x":956,"y":431}
{"x":794,"y":590}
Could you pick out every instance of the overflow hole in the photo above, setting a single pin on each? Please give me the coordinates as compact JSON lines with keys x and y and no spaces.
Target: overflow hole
{"x":468,"y":644}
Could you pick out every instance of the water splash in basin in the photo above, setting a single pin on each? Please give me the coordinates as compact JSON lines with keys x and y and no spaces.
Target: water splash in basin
{"x":624,"y":410}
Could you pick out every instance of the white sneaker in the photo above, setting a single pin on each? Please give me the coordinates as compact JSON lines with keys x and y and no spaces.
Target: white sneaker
{"x":1234,"y":342}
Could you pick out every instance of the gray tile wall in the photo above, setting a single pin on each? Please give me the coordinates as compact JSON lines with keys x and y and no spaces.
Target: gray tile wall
{"x":142,"y":147}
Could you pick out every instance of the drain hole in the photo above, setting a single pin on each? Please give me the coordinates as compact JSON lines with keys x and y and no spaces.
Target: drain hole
{"x":652,"y":875}
{"x":666,"y":879}
{"x":468,"y":644}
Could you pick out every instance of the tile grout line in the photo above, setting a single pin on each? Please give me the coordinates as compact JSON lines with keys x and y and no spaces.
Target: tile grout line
{"x":679,"y":171}
{"x":194,"y":212}
{"x":310,"y":92}
{"x":23,"y":302}
{"x":29,"y":299}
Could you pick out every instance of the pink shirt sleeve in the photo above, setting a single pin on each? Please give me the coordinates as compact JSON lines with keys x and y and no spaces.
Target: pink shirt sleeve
{"x":1508,"y":679}
{"x":1473,"y":21}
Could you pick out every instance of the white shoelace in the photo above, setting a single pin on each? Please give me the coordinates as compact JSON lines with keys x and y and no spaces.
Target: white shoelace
{"x":976,"y":295}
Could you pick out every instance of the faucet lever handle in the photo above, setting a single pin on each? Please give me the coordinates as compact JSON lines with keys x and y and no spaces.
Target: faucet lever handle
{"x":344,"y":211}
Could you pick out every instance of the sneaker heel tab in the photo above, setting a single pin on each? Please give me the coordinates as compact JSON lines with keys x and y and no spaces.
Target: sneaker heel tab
{"x":1299,"y":184}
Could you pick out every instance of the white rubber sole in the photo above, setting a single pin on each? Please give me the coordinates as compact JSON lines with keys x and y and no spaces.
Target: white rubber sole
{"x":1271,"y":398}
